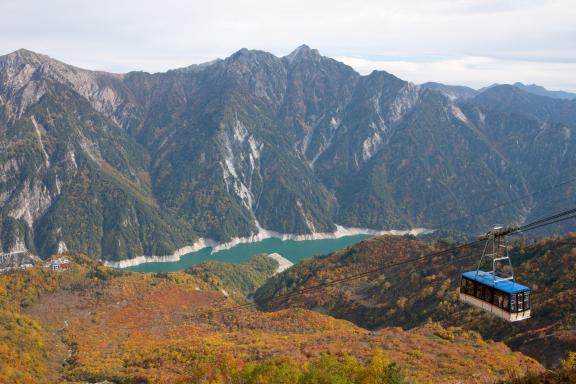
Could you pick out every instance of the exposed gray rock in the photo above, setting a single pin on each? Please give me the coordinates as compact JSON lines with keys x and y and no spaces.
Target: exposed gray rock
{"x":124,"y":165}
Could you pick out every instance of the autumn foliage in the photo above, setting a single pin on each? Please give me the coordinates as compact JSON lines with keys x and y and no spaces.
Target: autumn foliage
{"x":91,"y":324}
{"x":410,"y":294}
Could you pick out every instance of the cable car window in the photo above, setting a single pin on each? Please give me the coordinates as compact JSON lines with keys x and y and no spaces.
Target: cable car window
{"x":505,"y":303}
{"x":498,"y":299}
{"x":526,"y":301}
{"x":479,"y":290}
{"x":512,"y":303}
{"x":469,"y":287}
{"x":520,"y":304}
{"x":488,"y":294}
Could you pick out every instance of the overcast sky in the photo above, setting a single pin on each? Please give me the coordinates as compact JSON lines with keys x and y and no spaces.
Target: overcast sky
{"x":470,"y":42}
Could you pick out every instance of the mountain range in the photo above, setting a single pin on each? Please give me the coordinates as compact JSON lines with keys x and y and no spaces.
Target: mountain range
{"x":464,"y":92}
{"x":122,"y":165}
{"x":539,"y":90}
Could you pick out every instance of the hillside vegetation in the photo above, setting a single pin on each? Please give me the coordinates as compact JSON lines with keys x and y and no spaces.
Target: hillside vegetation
{"x":566,"y":374}
{"x":412,"y":294}
{"x":90,"y":323}
{"x":242,"y":278}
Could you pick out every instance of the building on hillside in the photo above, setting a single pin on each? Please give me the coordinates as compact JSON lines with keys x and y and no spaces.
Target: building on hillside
{"x":58,"y":264}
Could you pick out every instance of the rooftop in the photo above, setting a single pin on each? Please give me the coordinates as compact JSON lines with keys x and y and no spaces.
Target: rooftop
{"x":508,"y":286}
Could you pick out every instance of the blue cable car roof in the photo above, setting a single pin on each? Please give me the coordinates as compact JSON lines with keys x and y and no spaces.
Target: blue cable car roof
{"x":508,"y":286}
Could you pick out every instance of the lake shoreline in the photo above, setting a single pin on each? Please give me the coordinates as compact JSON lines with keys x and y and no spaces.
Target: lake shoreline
{"x":263,"y":234}
{"x":283,"y":263}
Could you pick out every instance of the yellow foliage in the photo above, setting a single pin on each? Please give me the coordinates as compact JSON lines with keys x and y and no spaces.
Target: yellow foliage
{"x":570,"y":361}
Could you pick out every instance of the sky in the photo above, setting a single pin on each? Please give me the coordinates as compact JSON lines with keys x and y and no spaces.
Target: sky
{"x":468,"y":42}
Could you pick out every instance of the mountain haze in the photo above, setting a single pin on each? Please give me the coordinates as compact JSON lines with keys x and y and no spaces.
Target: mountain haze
{"x":452,"y":91}
{"x":539,"y":90}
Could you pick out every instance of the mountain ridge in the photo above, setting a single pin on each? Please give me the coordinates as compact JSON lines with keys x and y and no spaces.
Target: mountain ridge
{"x":293,"y":144}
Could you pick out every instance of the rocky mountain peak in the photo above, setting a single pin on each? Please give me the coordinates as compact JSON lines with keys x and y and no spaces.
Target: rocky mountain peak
{"x":16,"y":68}
{"x":245,"y":54}
{"x":260,"y":73}
{"x":25,"y":75}
{"x":303,"y":52}
{"x":26,"y":63}
{"x":378,"y":78}
{"x":195,"y":68}
{"x":506,"y":92}
{"x":247,"y":60}
{"x":23,"y":56}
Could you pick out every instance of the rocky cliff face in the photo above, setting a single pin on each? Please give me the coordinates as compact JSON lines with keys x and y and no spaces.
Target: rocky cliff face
{"x":123,"y":165}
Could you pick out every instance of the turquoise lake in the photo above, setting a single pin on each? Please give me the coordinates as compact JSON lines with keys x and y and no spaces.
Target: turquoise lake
{"x":294,"y":251}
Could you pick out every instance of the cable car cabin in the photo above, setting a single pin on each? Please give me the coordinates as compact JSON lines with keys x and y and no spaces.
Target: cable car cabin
{"x":504,"y":298}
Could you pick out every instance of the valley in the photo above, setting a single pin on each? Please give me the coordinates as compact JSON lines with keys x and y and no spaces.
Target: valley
{"x":294,"y":251}
{"x":192,"y":194}
{"x":182,"y":199}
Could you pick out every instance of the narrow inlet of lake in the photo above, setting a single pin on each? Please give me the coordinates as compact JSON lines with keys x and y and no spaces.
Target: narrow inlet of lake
{"x":290,"y":249}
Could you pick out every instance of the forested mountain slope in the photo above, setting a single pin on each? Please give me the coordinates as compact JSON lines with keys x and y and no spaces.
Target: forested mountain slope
{"x":123,"y":165}
{"x":89,"y":323}
{"x":509,"y":98}
{"x":411,"y":294}
{"x":236,"y":279}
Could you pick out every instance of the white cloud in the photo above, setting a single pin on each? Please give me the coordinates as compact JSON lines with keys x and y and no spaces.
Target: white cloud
{"x":473,"y":71}
{"x":121,"y":35}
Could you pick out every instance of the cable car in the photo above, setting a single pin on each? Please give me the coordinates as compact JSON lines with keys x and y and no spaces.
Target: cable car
{"x":496,"y":291}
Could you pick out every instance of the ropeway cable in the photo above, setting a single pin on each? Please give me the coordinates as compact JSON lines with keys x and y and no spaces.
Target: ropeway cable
{"x":559,"y":217}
